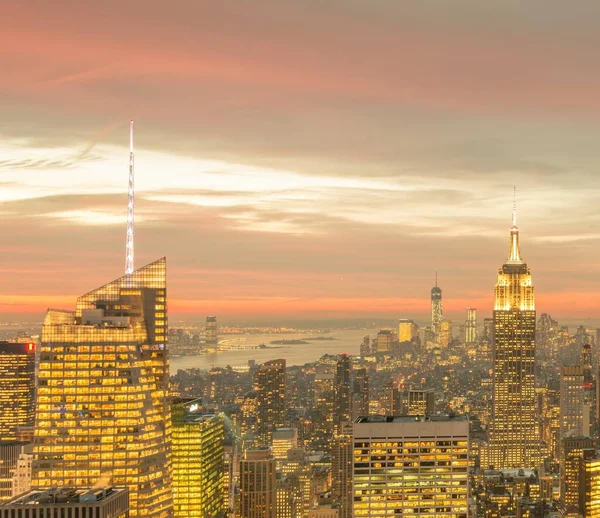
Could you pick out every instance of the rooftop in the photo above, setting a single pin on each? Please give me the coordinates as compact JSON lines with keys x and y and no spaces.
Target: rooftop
{"x":66,"y":496}
{"x":409,"y":418}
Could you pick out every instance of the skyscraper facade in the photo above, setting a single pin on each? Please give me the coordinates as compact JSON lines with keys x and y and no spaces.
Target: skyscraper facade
{"x":419,"y":402}
{"x":210,"y":333}
{"x":17,"y":388}
{"x":270,"y":388}
{"x":198,"y":462}
{"x":471,"y":326}
{"x":514,"y":431}
{"x":571,"y":401}
{"x":343,"y":409}
{"x":258,"y":484}
{"x":589,"y":492}
{"x":408,"y":331}
{"x":437,"y":311}
{"x":341,"y":471}
{"x":101,"y":412}
{"x":444,"y":335}
{"x":411,"y":467}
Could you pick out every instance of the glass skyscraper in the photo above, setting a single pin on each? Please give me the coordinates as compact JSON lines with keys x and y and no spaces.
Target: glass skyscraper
{"x":198,"y":462}
{"x":101,"y":411}
{"x":17,"y":388}
{"x":514,"y":430}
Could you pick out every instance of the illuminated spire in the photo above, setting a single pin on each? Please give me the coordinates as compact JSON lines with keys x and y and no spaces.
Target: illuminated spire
{"x":130,"y":205}
{"x":514,"y":255}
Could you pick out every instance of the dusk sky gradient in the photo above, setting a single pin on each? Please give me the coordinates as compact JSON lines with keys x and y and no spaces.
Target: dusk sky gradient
{"x":301,"y":159}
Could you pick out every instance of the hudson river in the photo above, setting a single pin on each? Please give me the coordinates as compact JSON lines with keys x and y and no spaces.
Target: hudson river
{"x":346,"y":341}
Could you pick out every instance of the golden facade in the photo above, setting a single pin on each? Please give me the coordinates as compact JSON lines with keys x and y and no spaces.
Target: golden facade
{"x":514,"y":430}
{"x":407,"y":466}
{"x":17,"y":388}
{"x":101,"y":411}
{"x":198,"y":462}
{"x":590,"y":488}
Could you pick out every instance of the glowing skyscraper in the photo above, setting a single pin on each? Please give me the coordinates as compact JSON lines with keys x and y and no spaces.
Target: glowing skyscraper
{"x":102,"y":414}
{"x":270,"y":386}
{"x":514,"y":430}
{"x":198,"y":461}
{"x":437,"y":311}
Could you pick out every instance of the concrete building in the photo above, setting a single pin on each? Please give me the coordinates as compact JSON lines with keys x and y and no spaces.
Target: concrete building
{"x":571,"y":402}
{"x":258,"y":484}
{"x":415,"y":466}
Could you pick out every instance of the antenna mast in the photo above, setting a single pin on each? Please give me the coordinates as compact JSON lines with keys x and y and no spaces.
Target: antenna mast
{"x":130,"y":206}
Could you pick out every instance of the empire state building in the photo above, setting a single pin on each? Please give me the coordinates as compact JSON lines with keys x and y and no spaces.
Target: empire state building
{"x":514,"y":429}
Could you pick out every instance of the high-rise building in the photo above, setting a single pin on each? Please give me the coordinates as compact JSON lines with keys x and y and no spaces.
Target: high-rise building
{"x":270,"y":388}
{"x":107,"y":502}
{"x":102,"y":411}
{"x":298,"y":466}
{"x":258,"y":484}
{"x":341,"y":471}
{"x":360,"y":393}
{"x":471,"y":326}
{"x":514,"y":429}
{"x":589,"y":492}
{"x":419,"y":402}
{"x":385,"y":339}
{"x":17,"y":388}
{"x":571,"y":451}
{"x":21,"y":478}
{"x":488,"y":330}
{"x":284,"y":439}
{"x":210,"y":334}
{"x":343,"y":408}
{"x":9,"y":456}
{"x":437,"y":310}
{"x":571,"y":401}
{"x":365,"y":347}
{"x":411,"y":467}
{"x":289,"y":496}
{"x":408,"y":331}
{"x":395,"y":400}
{"x":198,"y":461}
{"x":445,"y":332}
{"x":590,"y":400}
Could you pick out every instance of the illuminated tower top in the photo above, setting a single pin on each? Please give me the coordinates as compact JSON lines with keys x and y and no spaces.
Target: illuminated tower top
{"x":514,"y":255}
{"x":514,"y":288}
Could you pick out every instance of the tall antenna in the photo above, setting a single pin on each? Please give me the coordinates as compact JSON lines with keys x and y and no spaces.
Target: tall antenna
{"x":130,"y":205}
{"x":514,"y":214}
{"x":436,"y":278}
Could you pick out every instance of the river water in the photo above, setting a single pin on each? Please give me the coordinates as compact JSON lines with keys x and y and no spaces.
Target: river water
{"x":346,"y":341}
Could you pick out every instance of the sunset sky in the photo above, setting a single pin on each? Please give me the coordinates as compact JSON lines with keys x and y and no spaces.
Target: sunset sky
{"x":301,"y":159}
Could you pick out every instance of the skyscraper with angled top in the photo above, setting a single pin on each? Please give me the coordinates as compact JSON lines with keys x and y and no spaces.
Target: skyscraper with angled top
{"x":514,"y":430}
{"x":101,"y":411}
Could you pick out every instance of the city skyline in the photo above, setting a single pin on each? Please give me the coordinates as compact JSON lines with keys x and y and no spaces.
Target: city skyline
{"x":271,"y":187}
